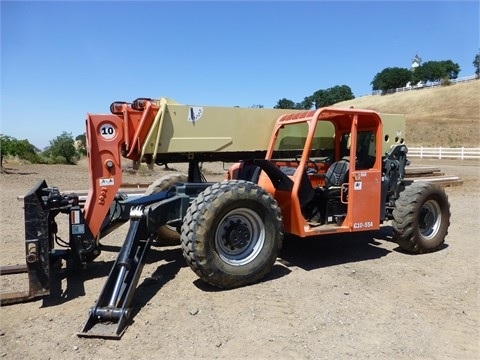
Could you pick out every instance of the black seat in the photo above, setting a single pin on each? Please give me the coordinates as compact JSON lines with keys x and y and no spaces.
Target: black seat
{"x":336,"y":175}
{"x":249,"y":171}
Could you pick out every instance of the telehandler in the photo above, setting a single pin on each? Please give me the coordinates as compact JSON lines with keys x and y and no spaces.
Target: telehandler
{"x":306,"y":173}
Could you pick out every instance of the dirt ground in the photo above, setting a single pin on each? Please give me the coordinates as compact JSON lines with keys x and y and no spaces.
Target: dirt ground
{"x":338,"y":297}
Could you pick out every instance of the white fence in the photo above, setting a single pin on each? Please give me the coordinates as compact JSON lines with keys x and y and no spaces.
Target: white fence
{"x":444,"y":153}
{"x":428,"y":85}
{"x":436,"y":83}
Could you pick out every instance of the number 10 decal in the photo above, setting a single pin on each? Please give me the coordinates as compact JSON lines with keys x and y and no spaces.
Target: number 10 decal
{"x":107,"y":131}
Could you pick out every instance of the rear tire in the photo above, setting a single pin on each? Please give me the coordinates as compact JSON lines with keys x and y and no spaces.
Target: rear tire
{"x":421,"y":218}
{"x":167,"y":235}
{"x":232,"y":234}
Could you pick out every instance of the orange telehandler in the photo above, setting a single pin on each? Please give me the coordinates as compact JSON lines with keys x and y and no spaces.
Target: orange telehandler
{"x":307,"y":173}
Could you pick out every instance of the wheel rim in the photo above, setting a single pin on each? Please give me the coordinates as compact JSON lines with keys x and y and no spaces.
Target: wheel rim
{"x":240,"y":236}
{"x":429,"y":219}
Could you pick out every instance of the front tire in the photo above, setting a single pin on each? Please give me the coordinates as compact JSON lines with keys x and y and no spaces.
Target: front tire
{"x":421,"y":218}
{"x":232,"y":234}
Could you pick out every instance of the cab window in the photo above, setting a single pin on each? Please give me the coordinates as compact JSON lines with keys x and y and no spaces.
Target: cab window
{"x":365,"y":151}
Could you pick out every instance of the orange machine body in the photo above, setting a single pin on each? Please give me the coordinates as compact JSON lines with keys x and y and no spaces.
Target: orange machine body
{"x":363,"y":184}
{"x":122,"y":134}
{"x":109,"y":138}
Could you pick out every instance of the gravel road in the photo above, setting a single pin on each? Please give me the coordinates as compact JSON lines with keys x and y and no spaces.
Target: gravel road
{"x":338,"y":297}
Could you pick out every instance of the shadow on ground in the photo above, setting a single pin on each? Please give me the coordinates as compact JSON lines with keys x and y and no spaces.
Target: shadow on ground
{"x":12,"y":171}
{"x":331,"y":250}
{"x":308,"y":254}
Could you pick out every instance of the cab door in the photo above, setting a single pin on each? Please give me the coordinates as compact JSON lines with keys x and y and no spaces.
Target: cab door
{"x":364,"y":187}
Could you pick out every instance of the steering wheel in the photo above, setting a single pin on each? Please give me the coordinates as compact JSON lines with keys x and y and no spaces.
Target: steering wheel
{"x":310,"y":171}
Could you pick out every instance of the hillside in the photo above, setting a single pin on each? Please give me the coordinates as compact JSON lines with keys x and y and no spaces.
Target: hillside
{"x":444,"y":116}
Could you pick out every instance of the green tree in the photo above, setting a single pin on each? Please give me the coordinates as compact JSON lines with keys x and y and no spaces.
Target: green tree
{"x":318,"y":99}
{"x":81,"y":144}
{"x":476,"y":64}
{"x":306,"y":104}
{"x":14,"y":147}
{"x":435,"y":71}
{"x":450,"y":68}
{"x":6,"y":146}
{"x":28,"y":151}
{"x":333,"y":95}
{"x":285,"y":104}
{"x":63,"y":147}
{"x":391,"y":78}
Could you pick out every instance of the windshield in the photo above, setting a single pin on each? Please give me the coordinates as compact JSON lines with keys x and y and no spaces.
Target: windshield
{"x":291,"y":138}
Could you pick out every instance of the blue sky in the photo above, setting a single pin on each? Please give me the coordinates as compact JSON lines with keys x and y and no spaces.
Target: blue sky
{"x":60,"y":60}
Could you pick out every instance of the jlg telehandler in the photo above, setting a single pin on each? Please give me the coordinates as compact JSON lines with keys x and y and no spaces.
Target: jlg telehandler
{"x":323,"y":171}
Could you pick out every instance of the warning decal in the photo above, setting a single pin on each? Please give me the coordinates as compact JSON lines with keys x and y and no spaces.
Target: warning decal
{"x":195,"y":113}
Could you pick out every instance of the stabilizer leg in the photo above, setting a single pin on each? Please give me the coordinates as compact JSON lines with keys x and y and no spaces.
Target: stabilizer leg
{"x":111,"y":314}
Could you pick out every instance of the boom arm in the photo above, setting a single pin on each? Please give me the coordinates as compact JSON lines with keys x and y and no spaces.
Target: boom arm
{"x":105,"y":136}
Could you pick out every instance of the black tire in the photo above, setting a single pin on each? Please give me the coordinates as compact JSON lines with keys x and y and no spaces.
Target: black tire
{"x":167,"y":235}
{"x":421,"y":218}
{"x":232,"y":234}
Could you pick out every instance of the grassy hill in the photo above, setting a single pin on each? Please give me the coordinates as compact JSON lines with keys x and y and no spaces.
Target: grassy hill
{"x":446,"y":116}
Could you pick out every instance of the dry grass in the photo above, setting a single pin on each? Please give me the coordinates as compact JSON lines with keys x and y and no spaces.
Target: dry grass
{"x":445,"y":116}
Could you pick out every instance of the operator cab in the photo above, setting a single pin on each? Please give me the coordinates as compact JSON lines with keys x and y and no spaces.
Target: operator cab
{"x":331,"y":157}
